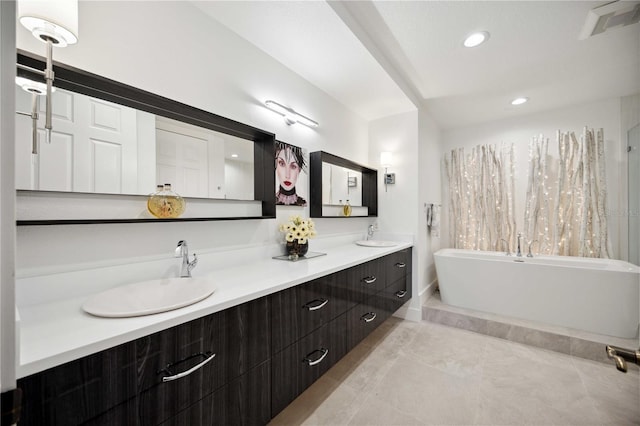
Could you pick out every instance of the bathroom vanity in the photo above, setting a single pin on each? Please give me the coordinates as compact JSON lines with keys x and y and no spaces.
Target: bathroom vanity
{"x":249,"y":349}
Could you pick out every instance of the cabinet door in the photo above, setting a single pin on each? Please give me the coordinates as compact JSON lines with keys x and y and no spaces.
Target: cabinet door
{"x":298,"y":311}
{"x":366,"y":280}
{"x":301,"y":364}
{"x":398,"y":265}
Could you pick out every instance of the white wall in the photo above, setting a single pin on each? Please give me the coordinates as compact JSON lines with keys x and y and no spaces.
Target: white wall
{"x":429,"y":155}
{"x":520,"y":130}
{"x":398,"y":206}
{"x":172,"y":49}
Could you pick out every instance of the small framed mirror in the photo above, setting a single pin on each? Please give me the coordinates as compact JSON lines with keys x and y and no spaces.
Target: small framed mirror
{"x":341,"y":187}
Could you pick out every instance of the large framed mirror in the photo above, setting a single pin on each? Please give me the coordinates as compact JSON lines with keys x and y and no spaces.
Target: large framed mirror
{"x":113,"y":143}
{"x":336,"y":182}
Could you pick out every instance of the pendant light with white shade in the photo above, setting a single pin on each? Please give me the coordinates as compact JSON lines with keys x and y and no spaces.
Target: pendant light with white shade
{"x":54,"y":22}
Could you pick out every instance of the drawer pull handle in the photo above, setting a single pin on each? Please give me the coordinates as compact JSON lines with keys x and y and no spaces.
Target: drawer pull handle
{"x":371,"y":316}
{"x":400,"y":294}
{"x":208,"y":357}
{"x":316,"y":304}
{"x":401,"y":265}
{"x":322,"y":351}
{"x":369,"y":280}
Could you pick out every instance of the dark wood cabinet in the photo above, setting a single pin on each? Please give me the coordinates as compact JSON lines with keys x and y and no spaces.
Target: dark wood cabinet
{"x":129,"y":377}
{"x":256,"y":357}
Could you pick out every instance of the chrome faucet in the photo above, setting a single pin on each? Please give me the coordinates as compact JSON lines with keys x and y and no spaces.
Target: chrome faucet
{"x":519,"y":252}
{"x":530,"y":244}
{"x":370,"y":231}
{"x":183,"y":251}
{"x":621,"y":356}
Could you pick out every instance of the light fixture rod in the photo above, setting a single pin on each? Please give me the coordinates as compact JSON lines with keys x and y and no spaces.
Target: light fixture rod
{"x":49,"y":75}
{"x":34,"y":123}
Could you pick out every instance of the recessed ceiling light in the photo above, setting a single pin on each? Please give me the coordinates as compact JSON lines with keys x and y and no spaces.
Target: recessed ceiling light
{"x":234,"y":155}
{"x":476,"y":39}
{"x":519,"y":101}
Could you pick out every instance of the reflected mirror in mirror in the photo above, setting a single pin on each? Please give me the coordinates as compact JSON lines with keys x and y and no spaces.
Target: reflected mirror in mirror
{"x":340,"y":184}
{"x":102,"y":147}
{"x":341,"y":188}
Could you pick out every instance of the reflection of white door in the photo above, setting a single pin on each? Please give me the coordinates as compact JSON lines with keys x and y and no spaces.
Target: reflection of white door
{"x":190,"y":158}
{"x":182,"y":161}
{"x":93,"y":146}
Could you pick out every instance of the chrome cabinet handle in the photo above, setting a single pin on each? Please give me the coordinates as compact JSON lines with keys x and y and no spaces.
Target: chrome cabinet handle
{"x":372,"y":316}
{"x":208,"y":357}
{"x":402,"y":293}
{"x":309,"y":361}
{"x":401,"y":265}
{"x":369,"y":280}
{"x":316,"y":304}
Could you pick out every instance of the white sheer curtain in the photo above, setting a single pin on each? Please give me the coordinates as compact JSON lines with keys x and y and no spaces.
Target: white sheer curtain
{"x":577,"y":223}
{"x":481,"y":202}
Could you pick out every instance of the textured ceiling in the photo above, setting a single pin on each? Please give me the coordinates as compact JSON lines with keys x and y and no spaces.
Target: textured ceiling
{"x":363,"y":52}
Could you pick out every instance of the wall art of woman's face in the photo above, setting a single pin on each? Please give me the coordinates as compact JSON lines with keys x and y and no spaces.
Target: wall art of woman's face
{"x":287,"y":168}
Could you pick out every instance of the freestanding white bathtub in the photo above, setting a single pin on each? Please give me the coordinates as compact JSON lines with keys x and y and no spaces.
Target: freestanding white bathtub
{"x":596,"y":295}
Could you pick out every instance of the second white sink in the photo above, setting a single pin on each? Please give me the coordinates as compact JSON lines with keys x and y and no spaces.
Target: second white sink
{"x":376,"y":243}
{"x":149,"y":297}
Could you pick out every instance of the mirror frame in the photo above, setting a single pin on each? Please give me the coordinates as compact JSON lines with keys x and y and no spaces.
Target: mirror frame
{"x":86,"y":83}
{"x":369,"y":183}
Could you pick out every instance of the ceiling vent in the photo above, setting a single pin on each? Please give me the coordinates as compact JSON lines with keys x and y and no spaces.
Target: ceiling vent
{"x":612,"y":15}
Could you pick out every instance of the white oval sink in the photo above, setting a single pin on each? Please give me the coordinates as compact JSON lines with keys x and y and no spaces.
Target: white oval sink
{"x":376,"y":243}
{"x":149,"y":297}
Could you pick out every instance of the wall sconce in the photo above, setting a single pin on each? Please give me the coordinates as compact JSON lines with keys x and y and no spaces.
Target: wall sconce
{"x":386,"y":160}
{"x":36,"y":89}
{"x":290,"y":115}
{"x":54,"y":22}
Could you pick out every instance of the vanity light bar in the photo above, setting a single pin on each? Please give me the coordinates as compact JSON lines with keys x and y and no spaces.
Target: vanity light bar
{"x":290,"y":115}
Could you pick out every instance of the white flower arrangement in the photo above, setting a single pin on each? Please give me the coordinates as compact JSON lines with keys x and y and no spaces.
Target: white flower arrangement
{"x":298,"y":229}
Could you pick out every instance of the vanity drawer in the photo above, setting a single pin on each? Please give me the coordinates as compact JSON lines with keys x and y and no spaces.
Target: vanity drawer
{"x":364,"y":318}
{"x":226,"y":344}
{"x":398,"y":265}
{"x":396,"y":294}
{"x":298,"y":366}
{"x":244,"y":401}
{"x":298,"y":311}
{"x":367,"y":279}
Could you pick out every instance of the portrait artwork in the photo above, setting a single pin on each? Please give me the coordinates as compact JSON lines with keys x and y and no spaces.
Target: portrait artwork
{"x":291,"y":174}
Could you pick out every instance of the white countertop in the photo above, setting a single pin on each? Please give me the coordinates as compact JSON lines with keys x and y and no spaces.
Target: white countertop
{"x":60,"y":331}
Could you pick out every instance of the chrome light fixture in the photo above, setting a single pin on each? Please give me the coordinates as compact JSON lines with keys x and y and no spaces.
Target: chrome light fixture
{"x":290,"y":115}
{"x":386,"y":160}
{"x":36,"y":89}
{"x":54,"y":22}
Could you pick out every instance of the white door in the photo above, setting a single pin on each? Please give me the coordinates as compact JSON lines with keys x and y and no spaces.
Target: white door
{"x":93,"y":146}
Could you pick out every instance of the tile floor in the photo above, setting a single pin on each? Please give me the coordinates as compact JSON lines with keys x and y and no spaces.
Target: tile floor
{"x":408,"y":373}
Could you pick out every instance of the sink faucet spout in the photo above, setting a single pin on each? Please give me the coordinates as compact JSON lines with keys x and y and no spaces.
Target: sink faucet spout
{"x":182,"y":250}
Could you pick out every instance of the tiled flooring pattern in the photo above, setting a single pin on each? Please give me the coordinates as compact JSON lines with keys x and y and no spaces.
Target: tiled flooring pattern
{"x":408,"y":373}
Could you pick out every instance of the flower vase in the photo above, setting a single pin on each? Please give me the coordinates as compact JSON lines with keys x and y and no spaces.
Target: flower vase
{"x":295,"y":249}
